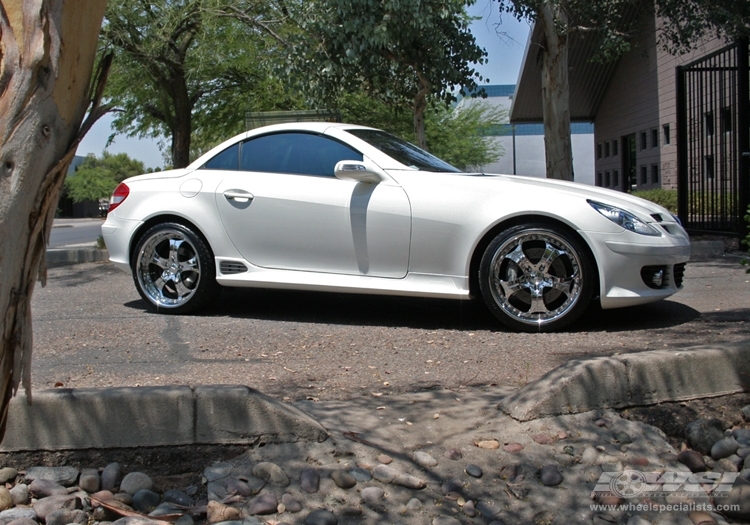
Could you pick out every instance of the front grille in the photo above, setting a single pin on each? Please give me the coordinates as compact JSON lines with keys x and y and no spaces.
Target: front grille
{"x":231,"y":268}
{"x":655,"y":277}
{"x":657,"y":217}
{"x":678,"y":273}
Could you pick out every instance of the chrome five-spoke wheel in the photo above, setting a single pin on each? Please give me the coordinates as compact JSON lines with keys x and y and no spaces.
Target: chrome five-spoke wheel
{"x":536,"y":278}
{"x":173,"y":269}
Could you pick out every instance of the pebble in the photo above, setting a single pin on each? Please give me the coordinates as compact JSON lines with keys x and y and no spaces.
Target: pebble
{"x":360,"y":474}
{"x":309,"y":480}
{"x":724,"y":448}
{"x":693,"y":460}
{"x":65,"y":476}
{"x":423,"y":459}
{"x":741,"y":434}
{"x":135,"y":481}
{"x":145,"y":500}
{"x":454,"y":454}
{"x":292,"y":505}
{"x":263,"y":504}
{"x":743,"y":452}
{"x":272,"y":473}
{"x":452,"y":485}
{"x":701,"y":518}
{"x":89,"y":480}
{"x":178,"y":497}
{"x":18,"y":513}
{"x":7,"y":474}
{"x":445,"y":520}
{"x":489,"y":444}
{"x":384,"y":473}
{"x":166,"y":509}
{"x":473,"y":470}
{"x":23,"y":521}
{"x":20,"y":494}
{"x":745,"y":473}
{"x":512,"y":447}
{"x":623,"y":438}
{"x":746,"y":412}
{"x":701,"y":434}
{"x":111,"y":477}
{"x":321,"y":517}
{"x":217,"y":512}
{"x":414,"y":505}
{"x":409,"y":481}
{"x":46,"y":505}
{"x":41,"y":488}
{"x":638,"y":520}
{"x":550,"y":475}
{"x":385,"y":459}
{"x":372,"y":495}
{"x":543,"y":439}
{"x":65,"y":517}
{"x":488,"y":510}
{"x":6,"y":499}
{"x":342,"y":479}
{"x":469,"y":509}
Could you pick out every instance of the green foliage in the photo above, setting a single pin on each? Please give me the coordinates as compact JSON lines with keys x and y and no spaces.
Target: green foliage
{"x":458,"y":136}
{"x":96,"y":178}
{"x":662,"y":197}
{"x":685,"y":22}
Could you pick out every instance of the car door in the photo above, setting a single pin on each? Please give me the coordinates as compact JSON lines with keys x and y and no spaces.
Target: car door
{"x":284,"y":209}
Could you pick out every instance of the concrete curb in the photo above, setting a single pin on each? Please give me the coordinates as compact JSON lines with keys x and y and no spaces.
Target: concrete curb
{"x":62,"y":256}
{"x":643,"y":378}
{"x":69,"y":419}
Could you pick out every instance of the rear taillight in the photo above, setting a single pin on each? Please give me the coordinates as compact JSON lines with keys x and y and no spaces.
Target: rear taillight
{"x":118,"y":196}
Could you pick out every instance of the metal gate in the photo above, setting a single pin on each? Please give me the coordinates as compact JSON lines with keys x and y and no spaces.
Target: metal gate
{"x":713,"y":126}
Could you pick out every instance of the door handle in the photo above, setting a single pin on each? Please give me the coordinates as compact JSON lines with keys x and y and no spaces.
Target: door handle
{"x":238,"y":196}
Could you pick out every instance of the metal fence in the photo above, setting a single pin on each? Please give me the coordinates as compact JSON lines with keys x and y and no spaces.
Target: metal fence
{"x":713,"y":125}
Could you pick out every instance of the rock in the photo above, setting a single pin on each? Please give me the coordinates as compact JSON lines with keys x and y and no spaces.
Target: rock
{"x":511,"y":472}
{"x":6,"y":499}
{"x":178,"y":497}
{"x":453,"y":453}
{"x":423,"y":459}
{"x":272,"y":473}
{"x":603,"y":422}
{"x":384,"y":473}
{"x":20,"y":494}
{"x":166,"y":509}
{"x":248,"y":486}
{"x":89,"y":480}
{"x":738,"y":498}
{"x":638,"y":520}
{"x":217,"y":471}
{"x":145,"y":500}
{"x":473,"y":470}
{"x":123,"y":497}
{"x":692,"y":460}
{"x":321,"y":517}
{"x":65,"y":517}
{"x":701,"y":518}
{"x":452,"y":485}
{"x":741,"y":434}
{"x":23,"y":521}
{"x":291,"y":504}
{"x":7,"y":474}
{"x":746,"y":412}
{"x":589,"y":455}
{"x":351,"y":512}
{"x":217,"y":512}
{"x":65,"y":476}
{"x":111,"y":477}
{"x":512,"y":447}
{"x":41,"y":488}
{"x":262,"y":504}
{"x":743,"y":452}
{"x":372,"y":495}
{"x":745,"y":473}
{"x":360,"y":474}
{"x":623,"y":438}
{"x":414,"y":505}
{"x":309,"y":480}
{"x":727,"y":465}
{"x":488,"y":510}
{"x":640,"y":462}
{"x":46,"y":505}
{"x":409,"y":481}
{"x":135,"y":520}
{"x":185,"y":519}
{"x":135,"y":481}
{"x":603,"y":519}
{"x":342,"y":479}
{"x":550,"y":475}
{"x":724,"y":448}
{"x":385,"y":459}
{"x":469,"y":509}
{"x":18,"y":513}
{"x":543,"y":439}
{"x":445,"y":520}
{"x":701,"y":434}
{"x":489,"y":444}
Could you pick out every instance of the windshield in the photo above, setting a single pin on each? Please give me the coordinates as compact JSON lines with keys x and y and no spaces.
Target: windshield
{"x":402,"y":151}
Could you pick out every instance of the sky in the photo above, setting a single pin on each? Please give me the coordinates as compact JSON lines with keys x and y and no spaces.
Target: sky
{"x":503,"y":37}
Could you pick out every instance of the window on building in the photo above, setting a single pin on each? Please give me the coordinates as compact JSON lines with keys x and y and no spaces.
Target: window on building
{"x":709,"y":166}
{"x":614,"y":148}
{"x":607,"y":180}
{"x":667,"y":138}
{"x":709,"y":117}
{"x":644,"y":140}
{"x":599,"y":178}
{"x":654,"y":174}
{"x":726,"y":120}
{"x":644,"y":175}
{"x":615,"y":178}
{"x":654,"y":138}
{"x":599,"y":151}
{"x":606,"y":149}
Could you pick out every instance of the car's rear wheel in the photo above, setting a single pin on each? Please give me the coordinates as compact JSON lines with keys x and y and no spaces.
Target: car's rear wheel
{"x":174,"y":269}
{"x":536,"y":277}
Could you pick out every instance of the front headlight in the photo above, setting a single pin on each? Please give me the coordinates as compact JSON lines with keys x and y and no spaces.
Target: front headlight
{"x":625,"y":219}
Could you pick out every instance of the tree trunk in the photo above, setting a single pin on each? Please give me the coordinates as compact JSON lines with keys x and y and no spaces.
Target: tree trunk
{"x":182,"y":126}
{"x":47,"y":52}
{"x":419,"y":107}
{"x":556,"y":94}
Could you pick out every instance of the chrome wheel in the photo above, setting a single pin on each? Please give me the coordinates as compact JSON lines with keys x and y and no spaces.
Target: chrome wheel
{"x":171,"y":269}
{"x":535,"y":279}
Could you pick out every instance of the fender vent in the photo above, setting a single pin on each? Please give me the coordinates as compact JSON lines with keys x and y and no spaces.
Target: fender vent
{"x":678,"y":274}
{"x":231,"y":268}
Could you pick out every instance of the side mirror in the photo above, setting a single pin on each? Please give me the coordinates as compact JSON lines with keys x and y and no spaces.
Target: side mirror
{"x":358,"y":171}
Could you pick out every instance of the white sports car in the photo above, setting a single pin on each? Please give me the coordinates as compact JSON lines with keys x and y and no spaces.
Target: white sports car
{"x":344,"y":208}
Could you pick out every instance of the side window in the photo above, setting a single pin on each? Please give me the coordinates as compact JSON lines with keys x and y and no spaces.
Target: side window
{"x":229,"y":159}
{"x":295,"y":153}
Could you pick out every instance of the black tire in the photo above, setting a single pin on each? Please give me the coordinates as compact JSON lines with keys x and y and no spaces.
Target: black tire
{"x":536,"y":277}
{"x":174,"y":269}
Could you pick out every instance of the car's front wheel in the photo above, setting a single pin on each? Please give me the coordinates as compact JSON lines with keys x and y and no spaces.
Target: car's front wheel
{"x":536,"y":277}
{"x":174,"y":270}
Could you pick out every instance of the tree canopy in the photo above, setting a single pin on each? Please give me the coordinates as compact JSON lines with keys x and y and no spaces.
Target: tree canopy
{"x":396,"y":50}
{"x":96,"y":178}
{"x":685,"y":22}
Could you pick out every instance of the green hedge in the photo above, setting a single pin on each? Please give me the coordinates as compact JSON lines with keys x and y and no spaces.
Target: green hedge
{"x":665,"y":198}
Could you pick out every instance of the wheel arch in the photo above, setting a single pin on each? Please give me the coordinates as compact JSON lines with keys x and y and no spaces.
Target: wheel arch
{"x":481,"y":246}
{"x":160,"y":219}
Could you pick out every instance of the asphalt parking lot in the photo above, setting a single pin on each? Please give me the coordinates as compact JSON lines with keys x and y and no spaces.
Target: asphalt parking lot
{"x":91,"y":329}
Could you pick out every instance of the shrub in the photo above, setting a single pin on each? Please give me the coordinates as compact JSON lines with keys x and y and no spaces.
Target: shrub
{"x":665,"y":198}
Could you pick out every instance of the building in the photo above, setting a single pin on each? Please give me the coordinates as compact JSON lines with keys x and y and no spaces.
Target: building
{"x":660,"y":121}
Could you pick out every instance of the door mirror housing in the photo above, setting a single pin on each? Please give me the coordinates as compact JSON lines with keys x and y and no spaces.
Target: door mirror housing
{"x":358,"y":171}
